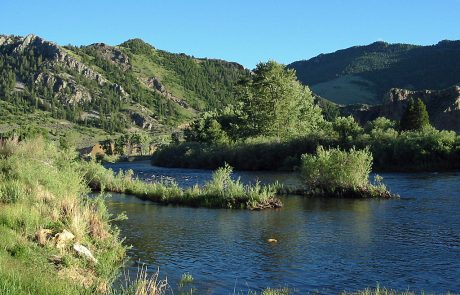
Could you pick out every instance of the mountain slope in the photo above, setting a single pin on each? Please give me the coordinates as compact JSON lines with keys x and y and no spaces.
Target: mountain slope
{"x":363,"y":74}
{"x":114,"y":88}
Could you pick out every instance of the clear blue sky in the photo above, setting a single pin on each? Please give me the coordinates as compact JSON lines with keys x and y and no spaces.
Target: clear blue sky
{"x":245,"y":31}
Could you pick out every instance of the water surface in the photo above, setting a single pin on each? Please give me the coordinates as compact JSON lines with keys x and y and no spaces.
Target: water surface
{"x":324,"y":245}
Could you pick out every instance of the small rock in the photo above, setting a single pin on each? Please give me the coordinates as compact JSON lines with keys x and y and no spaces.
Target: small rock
{"x":55,"y":259}
{"x":43,"y":235}
{"x":62,"y":238}
{"x":85,"y":252}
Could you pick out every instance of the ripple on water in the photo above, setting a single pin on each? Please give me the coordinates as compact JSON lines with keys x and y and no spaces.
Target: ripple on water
{"x":323,"y":245}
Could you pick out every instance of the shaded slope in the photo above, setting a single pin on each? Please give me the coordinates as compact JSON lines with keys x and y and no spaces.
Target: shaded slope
{"x":362,"y":74}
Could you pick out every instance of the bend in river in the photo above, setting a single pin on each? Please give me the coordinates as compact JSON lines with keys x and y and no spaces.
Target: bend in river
{"x":324,"y":245}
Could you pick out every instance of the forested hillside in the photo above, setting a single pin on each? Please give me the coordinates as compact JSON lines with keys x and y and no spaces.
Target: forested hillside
{"x":363,"y":74}
{"x":110,"y":88}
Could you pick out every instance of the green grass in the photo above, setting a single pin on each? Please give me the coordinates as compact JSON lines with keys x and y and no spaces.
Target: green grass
{"x":220,"y":192}
{"x":185,"y":279}
{"x":41,"y":190}
{"x":349,"y":89}
{"x":13,"y":120}
{"x":385,"y":291}
{"x":147,"y":67}
{"x":25,"y":277}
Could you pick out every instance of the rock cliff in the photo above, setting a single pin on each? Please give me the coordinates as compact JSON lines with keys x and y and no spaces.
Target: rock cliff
{"x":443,"y":107}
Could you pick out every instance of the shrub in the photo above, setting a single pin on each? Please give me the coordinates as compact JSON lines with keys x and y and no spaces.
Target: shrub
{"x":336,"y":169}
{"x":347,"y":128}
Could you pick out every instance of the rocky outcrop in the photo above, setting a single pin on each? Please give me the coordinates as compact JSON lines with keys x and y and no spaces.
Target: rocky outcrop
{"x":65,"y":89}
{"x":112,"y":54}
{"x":361,"y":112}
{"x":53,"y":54}
{"x":143,"y":118}
{"x":55,"y":58}
{"x":156,"y":85}
{"x":443,"y":107}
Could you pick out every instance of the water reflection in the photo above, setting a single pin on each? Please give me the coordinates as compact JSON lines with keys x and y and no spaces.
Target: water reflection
{"x":324,"y":245}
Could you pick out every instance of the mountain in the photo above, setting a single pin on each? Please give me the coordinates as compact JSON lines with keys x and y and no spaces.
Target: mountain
{"x":363,"y":74}
{"x":132,"y":86}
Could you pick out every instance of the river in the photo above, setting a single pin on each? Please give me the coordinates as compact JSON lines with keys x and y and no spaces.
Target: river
{"x":324,"y":245}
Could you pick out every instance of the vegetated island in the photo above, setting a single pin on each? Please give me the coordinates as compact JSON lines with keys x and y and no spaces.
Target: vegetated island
{"x":329,"y":173}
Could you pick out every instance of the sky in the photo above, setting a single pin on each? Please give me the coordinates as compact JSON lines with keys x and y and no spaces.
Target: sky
{"x":244,"y":31}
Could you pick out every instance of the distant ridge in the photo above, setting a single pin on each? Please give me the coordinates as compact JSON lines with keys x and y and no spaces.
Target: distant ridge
{"x":363,"y":74}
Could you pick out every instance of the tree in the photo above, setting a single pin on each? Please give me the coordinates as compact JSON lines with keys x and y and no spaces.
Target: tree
{"x":380,"y":124}
{"x":276,"y":104}
{"x":206,"y":129}
{"x":346,"y":127}
{"x":415,"y":116}
{"x":141,"y":141}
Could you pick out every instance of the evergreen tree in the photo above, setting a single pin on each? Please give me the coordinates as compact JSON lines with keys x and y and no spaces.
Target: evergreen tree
{"x":415,"y":117}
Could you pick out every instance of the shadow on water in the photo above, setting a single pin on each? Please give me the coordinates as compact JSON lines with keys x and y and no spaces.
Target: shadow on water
{"x":324,"y":245}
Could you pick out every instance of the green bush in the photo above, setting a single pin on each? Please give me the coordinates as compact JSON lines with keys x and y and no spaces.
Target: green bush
{"x":332,"y":169}
{"x":347,"y":128}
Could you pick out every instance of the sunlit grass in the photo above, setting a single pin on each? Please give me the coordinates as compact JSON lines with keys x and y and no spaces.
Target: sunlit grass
{"x":42,"y":193}
{"x":378,"y":290}
{"x":220,"y":192}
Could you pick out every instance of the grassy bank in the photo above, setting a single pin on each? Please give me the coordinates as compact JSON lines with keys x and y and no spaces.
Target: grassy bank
{"x":220,"y":192}
{"x":48,"y":225}
{"x":386,"y":291}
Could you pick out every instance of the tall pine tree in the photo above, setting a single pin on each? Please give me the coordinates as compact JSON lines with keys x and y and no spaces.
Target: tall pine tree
{"x":415,"y":117}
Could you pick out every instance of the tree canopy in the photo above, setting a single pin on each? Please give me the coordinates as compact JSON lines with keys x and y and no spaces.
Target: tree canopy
{"x":276,"y":104}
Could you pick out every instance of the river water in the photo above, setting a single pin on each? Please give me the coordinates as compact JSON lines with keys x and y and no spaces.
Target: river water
{"x":324,"y":245}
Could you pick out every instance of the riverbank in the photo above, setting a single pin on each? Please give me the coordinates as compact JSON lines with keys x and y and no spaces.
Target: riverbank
{"x":46,"y":219}
{"x":286,"y":183}
{"x":55,"y":240}
{"x":368,"y":192}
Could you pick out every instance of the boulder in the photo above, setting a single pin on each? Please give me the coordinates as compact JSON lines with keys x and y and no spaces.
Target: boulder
{"x":63,"y":238}
{"x":84,"y":252}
